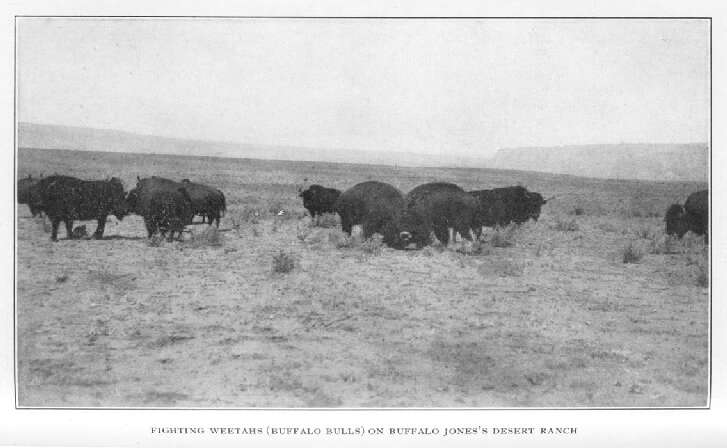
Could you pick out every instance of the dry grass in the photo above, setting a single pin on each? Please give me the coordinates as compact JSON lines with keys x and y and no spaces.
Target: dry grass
{"x":373,"y":246}
{"x":283,"y":262}
{"x":566,"y":225}
{"x":328,"y":221}
{"x":209,"y":237}
{"x":632,"y":253}
{"x":434,"y":327}
{"x":504,"y":236}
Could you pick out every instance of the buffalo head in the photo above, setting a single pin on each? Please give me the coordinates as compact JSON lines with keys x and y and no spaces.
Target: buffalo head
{"x":676,"y":223}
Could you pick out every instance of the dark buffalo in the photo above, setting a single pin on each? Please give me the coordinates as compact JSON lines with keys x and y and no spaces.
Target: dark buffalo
{"x":165,"y":205}
{"x":318,"y":200}
{"x":376,"y":206}
{"x":28,"y":193}
{"x":65,"y":198}
{"x":436,"y":207}
{"x":207,"y":202}
{"x":694,"y":216}
{"x":501,"y":206}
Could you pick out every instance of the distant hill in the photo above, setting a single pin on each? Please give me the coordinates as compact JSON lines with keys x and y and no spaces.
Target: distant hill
{"x":44,"y":136}
{"x":667,"y":162}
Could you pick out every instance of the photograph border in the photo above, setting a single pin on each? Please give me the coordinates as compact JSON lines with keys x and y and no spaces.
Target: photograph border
{"x":18,"y":407}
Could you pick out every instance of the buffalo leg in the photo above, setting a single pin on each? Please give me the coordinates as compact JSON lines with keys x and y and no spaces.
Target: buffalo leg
{"x":149,"y":228}
{"x":442,"y":234}
{"x":54,"y":232}
{"x":346,"y":225}
{"x":69,"y":228}
{"x":98,"y":234}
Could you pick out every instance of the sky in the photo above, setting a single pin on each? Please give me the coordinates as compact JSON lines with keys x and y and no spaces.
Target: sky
{"x":466,"y":87}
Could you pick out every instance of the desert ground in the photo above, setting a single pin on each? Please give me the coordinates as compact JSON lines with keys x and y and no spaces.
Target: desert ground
{"x":544,"y":315}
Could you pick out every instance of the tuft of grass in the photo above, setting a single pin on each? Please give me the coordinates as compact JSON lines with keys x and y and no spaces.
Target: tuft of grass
{"x":373,"y":245}
{"x":645,"y":233}
{"x":209,"y":237}
{"x":632,"y":253}
{"x":566,"y":225}
{"x":341,"y":240}
{"x":504,"y":236}
{"x":156,"y":240}
{"x":302,"y":232}
{"x":283,"y":262}
{"x":476,"y":248}
{"x":327,"y":221}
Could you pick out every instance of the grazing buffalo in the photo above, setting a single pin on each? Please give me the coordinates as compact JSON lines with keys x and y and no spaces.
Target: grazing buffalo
{"x":501,"y":206}
{"x":207,"y":202}
{"x":28,"y":193}
{"x":165,"y":205}
{"x":376,"y":206}
{"x":694,"y":216}
{"x":65,"y":198}
{"x":318,"y":200}
{"x":436,"y":207}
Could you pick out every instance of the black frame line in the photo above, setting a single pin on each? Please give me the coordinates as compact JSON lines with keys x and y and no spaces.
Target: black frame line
{"x":365,"y":409}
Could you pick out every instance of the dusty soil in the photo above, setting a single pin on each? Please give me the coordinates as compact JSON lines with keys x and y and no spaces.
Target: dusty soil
{"x":556,"y":319}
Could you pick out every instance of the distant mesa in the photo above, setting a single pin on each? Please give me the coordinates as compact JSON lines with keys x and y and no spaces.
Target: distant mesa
{"x":663,"y":162}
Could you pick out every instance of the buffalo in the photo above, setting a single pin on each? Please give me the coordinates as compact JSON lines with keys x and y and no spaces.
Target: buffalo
{"x":28,"y":192}
{"x":436,"y":207}
{"x":318,"y":200}
{"x":501,"y":206}
{"x":207,"y":202}
{"x":165,"y":205}
{"x":693,"y":215}
{"x":65,"y":198}
{"x":376,"y":206}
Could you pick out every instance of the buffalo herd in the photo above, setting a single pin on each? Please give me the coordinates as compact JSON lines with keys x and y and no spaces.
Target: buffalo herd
{"x":167,"y":206}
{"x":409,"y":220}
{"x":441,"y":209}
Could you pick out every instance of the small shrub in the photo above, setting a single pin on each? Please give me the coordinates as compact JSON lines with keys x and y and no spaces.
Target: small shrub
{"x":504,"y":236}
{"x":302,"y":232}
{"x":341,"y":240}
{"x":283,"y":262}
{"x":327,"y":220}
{"x":703,"y":275}
{"x":645,"y":233}
{"x":608,"y":227}
{"x":248,"y":214}
{"x":209,"y":237}
{"x":374,"y":245}
{"x":566,"y":225}
{"x":632,"y":253}
{"x":80,"y":232}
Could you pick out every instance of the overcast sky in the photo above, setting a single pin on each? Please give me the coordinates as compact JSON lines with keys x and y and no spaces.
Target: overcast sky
{"x":428,"y":86}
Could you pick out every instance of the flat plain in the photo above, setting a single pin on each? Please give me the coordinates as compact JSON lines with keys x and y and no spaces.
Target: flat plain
{"x":552,"y":317}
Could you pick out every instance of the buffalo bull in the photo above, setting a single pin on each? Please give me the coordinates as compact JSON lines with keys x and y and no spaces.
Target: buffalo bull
{"x":207,"y":202}
{"x":165,"y":205}
{"x":436,"y":207}
{"x":65,"y":198}
{"x":692,"y":216}
{"x":318,"y":200}
{"x":502,"y":206}
{"x":28,"y":193}
{"x":376,"y":206}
